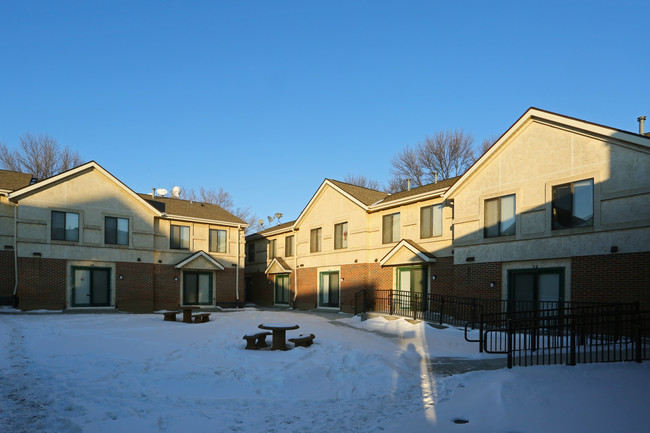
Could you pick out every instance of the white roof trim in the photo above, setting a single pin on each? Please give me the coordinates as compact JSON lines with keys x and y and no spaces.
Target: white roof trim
{"x":275,"y":260}
{"x":320,"y":189}
{"x":92,"y":165}
{"x":204,"y":220}
{"x":196,"y":256}
{"x":415,"y":251}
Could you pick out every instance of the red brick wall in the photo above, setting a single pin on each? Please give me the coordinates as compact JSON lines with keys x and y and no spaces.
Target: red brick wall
{"x":380,"y":278}
{"x":473,"y":280}
{"x":307,"y":289}
{"x":7,"y":272}
{"x":611,"y":278}
{"x":443,"y":269}
{"x":134,"y":292}
{"x":41,"y":283}
{"x":259,"y":289}
{"x":355,"y":278}
{"x":166,"y":287}
{"x":225,"y":293}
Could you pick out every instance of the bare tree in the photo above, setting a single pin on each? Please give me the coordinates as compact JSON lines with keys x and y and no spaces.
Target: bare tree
{"x":442,"y":156}
{"x":223,"y":199}
{"x":487,"y":143}
{"x":362,"y":181}
{"x":39,"y":155}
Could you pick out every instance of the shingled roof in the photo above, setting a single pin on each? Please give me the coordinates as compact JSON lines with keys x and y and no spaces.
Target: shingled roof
{"x":364,"y":195}
{"x":13,"y":180}
{"x":443,"y":184}
{"x":192,"y":209}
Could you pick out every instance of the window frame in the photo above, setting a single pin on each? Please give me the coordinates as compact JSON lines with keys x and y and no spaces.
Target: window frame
{"x":117,"y":231}
{"x":431,"y":225}
{"x":341,"y":236}
{"x":499,"y":218}
{"x":180,"y":237}
{"x":273,"y":252}
{"x":213,"y":246}
{"x":288,"y":246}
{"x":393,"y":235}
{"x":556,"y":224}
{"x":251,"y":252}
{"x":316,"y":240}
{"x":64,"y":229}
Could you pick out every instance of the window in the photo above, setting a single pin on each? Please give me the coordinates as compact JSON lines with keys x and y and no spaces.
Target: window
{"x":65,"y":226}
{"x":431,"y":221}
{"x":251,"y":252}
{"x":315,"y":240}
{"x":217,"y":241}
{"x":180,"y":237}
{"x":116,"y":231}
{"x":390,"y":228}
{"x":197,"y":288}
{"x":288,"y":246}
{"x":272,"y":250}
{"x":340,"y":236}
{"x":573,"y":205}
{"x":499,"y":216}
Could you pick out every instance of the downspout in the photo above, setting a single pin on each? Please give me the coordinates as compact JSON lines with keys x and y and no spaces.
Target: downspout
{"x":15,"y":251}
{"x":295,"y":265}
{"x":237,"y":267}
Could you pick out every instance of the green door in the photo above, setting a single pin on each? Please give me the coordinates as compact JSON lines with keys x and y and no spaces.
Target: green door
{"x":91,"y":287}
{"x":328,"y":291}
{"x":282,"y":289}
{"x":197,"y":288}
{"x":412,"y":288}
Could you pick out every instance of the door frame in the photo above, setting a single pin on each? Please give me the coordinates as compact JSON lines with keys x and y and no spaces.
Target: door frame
{"x":537,"y":272}
{"x":275,"y":288}
{"x":320,"y":288}
{"x":109,"y":295}
{"x":211,"y":283}
{"x":425,"y":287}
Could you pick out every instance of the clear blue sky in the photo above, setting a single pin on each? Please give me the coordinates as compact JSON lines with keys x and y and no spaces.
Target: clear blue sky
{"x":265,"y":99}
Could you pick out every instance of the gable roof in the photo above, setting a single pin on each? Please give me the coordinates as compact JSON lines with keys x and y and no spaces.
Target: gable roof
{"x":366,"y":196}
{"x":175,"y":207}
{"x":84,"y":168}
{"x":278,"y":266}
{"x":13,"y":180}
{"x":407,"y":252}
{"x":535,"y":114}
{"x":200,"y":255}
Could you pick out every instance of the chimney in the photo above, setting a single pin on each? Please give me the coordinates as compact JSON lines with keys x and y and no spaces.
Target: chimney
{"x":641,"y":121}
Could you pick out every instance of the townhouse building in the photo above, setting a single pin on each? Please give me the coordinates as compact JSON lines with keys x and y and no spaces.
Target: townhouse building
{"x":84,"y":240}
{"x":558,"y":209}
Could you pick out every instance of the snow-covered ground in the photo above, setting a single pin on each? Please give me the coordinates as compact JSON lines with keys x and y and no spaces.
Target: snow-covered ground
{"x":136,"y":373}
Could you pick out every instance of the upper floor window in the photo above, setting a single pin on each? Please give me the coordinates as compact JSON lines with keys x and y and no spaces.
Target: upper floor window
{"x":573,"y":204}
{"x":431,"y":221}
{"x":315,"y":240}
{"x":217,"y":241}
{"x":288,"y":246}
{"x":272,"y":250}
{"x":251,"y":252}
{"x":180,"y":237}
{"x":340,"y":236}
{"x":390,"y":228}
{"x":116,"y":231}
{"x":65,"y":226}
{"x":499,"y":216}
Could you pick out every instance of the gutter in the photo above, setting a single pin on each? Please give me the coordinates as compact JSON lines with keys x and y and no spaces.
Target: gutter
{"x":295,"y":265}
{"x":237,"y":267}
{"x":15,"y":250}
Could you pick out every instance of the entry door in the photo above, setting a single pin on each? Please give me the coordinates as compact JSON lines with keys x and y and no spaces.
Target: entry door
{"x":414,"y":282}
{"x":197,"y":288}
{"x":282,"y":289}
{"x":536,"y":289}
{"x":328,"y":295}
{"x":91,"y":287}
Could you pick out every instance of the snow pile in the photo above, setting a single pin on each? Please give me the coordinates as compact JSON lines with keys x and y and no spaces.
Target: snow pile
{"x":136,"y":373}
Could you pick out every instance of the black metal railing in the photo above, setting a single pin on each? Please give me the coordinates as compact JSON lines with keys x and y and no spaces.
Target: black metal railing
{"x":567,"y":335}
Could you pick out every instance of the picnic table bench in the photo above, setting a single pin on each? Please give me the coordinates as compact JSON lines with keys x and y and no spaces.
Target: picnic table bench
{"x":201,"y":317}
{"x":304,"y":341}
{"x":256,"y":341}
{"x":169,"y":316}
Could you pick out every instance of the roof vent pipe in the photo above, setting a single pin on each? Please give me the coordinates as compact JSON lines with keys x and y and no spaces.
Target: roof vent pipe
{"x":435,"y":177}
{"x":153,"y":192}
{"x":408,"y":184}
{"x":641,"y":121}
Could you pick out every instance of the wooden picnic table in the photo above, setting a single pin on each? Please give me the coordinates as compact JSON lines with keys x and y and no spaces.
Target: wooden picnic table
{"x":187,"y":313}
{"x":279,"y":333}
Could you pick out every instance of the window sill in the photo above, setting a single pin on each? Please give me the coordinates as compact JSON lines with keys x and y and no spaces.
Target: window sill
{"x":572,"y":231}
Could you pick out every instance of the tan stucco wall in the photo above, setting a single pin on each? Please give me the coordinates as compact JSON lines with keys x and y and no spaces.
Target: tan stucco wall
{"x":536,"y":158}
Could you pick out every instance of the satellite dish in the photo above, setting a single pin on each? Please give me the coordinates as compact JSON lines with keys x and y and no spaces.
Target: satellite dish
{"x":161,"y":191}
{"x":278,"y":215}
{"x":261,"y":222}
{"x":270,"y":218}
{"x":176,"y":192}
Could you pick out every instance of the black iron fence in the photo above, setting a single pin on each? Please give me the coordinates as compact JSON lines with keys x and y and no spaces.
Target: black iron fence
{"x":529,"y":333}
